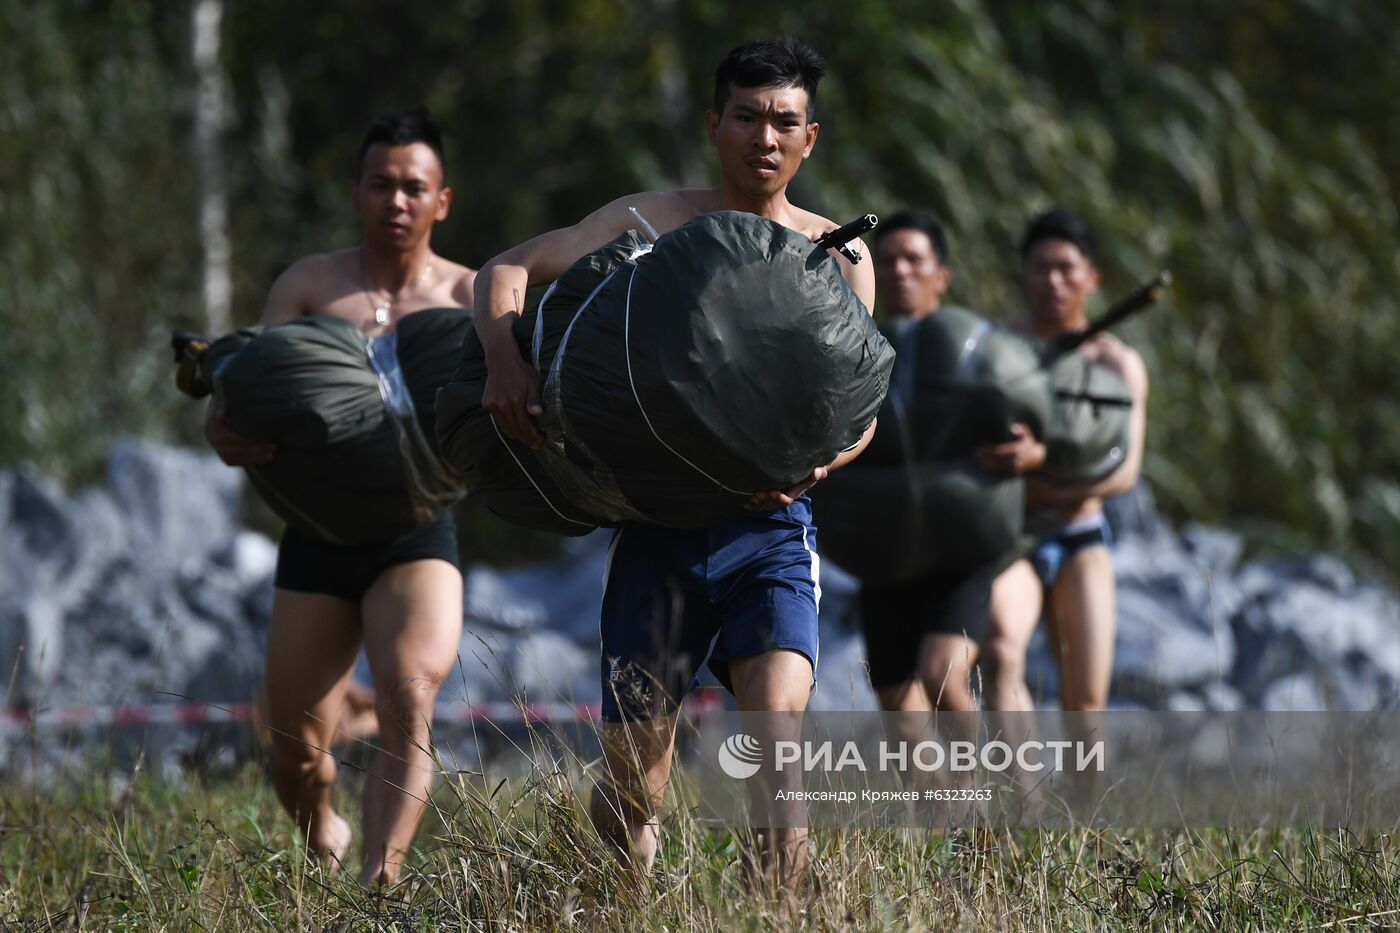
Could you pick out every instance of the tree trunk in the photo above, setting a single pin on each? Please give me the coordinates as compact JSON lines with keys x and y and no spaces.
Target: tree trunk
{"x":209,"y":118}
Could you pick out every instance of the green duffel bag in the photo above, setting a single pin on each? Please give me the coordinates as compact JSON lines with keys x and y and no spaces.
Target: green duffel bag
{"x":891,"y":525}
{"x":730,"y":358}
{"x":1088,"y":432}
{"x":351,"y":417}
{"x":914,"y":502}
{"x":507,"y":477}
{"x":963,"y":382}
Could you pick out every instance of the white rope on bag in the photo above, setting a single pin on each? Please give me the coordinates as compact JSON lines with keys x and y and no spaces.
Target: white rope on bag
{"x":538,"y":343}
{"x":547,"y":502}
{"x":428,"y":484}
{"x":647,"y":228}
{"x":557,"y":364}
{"x":627,"y":350}
{"x":968,"y":356}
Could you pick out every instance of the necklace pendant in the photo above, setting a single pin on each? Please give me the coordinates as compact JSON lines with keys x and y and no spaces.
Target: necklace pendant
{"x":381,"y":315}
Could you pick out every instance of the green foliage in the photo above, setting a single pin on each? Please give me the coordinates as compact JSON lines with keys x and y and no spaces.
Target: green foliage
{"x":97,"y":224}
{"x":1250,"y":148}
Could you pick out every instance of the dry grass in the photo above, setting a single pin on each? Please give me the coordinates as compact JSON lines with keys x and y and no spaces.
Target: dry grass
{"x":145,"y":854}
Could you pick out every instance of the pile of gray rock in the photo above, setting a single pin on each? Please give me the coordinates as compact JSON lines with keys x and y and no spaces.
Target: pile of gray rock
{"x":147,"y":591}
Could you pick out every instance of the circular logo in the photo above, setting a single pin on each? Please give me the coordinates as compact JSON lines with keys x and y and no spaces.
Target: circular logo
{"x":740,"y":756}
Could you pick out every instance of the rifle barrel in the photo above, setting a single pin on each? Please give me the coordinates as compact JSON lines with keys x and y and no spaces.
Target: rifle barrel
{"x":1143,"y":297}
{"x":848,"y":232}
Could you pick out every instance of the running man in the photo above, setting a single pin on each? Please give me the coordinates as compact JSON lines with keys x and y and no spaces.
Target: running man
{"x":922,"y":637}
{"x":741,"y":596}
{"x":403,"y":598}
{"x":1069,"y":575}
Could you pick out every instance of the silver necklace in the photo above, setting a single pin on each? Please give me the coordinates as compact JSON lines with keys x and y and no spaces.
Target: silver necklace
{"x":381,"y":311}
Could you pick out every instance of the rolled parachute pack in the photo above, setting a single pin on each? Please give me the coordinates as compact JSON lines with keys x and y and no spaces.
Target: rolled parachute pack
{"x":1087,"y":434}
{"x":962,"y":382}
{"x":893,"y":524}
{"x":351,"y":416}
{"x":677,"y":380}
{"x":915,"y":503}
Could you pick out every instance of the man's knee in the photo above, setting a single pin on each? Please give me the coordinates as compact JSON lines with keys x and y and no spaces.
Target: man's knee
{"x":296,"y":756}
{"x":776,"y":681}
{"x":1091,"y":699}
{"x":1004,"y":657}
{"x":407,"y":702}
{"x":1082,"y":694}
{"x":636,"y":770}
{"x":947,"y":659}
{"x":947,"y":655}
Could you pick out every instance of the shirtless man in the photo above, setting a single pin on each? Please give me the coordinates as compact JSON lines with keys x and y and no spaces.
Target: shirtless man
{"x":401,"y":598}
{"x":922,"y":637}
{"x":764,"y":632}
{"x":1070,"y":572}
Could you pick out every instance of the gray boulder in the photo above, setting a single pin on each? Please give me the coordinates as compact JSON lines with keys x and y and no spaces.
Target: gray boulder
{"x":180,"y":506}
{"x":51,"y":555}
{"x":1313,"y":617}
{"x":1134,"y":514}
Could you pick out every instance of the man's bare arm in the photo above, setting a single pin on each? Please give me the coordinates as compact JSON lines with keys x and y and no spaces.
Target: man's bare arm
{"x":286,"y":301}
{"x":464,"y":288}
{"x":512,"y":385}
{"x":861,"y":278}
{"x":1023,"y":453}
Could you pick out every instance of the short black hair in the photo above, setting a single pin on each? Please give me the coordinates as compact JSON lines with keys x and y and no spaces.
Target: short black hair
{"x":780,"y":61}
{"x":402,"y":129}
{"x":916,"y":220}
{"x":1059,"y":223}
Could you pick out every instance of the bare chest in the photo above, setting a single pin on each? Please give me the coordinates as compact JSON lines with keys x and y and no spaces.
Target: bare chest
{"x":375,"y":313}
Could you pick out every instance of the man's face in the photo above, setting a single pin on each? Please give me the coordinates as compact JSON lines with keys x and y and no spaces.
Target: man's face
{"x":909,"y":279}
{"x":399,"y":195}
{"x":762,"y":137}
{"x":1058,"y":279}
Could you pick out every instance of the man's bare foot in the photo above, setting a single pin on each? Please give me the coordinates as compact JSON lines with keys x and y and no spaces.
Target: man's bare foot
{"x":380,"y":873}
{"x":329,"y":839}
{"x":791,"y":913}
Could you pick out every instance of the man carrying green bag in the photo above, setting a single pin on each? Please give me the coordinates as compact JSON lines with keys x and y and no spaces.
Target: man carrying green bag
{"x":916,"y":519}
{"x":400,"y":595}
{"x":740,"y":596}
{"x":1069,"y":573}
{"x":351,"y":415}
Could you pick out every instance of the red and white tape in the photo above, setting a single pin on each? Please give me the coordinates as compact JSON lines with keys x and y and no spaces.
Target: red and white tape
{"x":141,"y":714}
{"x":134,"y":714}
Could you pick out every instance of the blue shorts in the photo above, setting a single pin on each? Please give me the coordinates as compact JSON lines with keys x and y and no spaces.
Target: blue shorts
{"x":1055,"y":549}
{"x":676,"y":599}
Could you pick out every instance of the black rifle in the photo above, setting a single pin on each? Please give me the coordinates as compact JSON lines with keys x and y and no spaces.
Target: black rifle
{"x":838,"y":238}
{"x":1143,"y":297}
